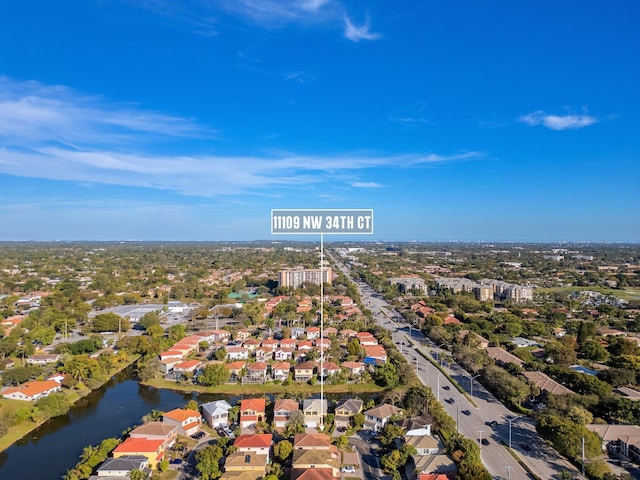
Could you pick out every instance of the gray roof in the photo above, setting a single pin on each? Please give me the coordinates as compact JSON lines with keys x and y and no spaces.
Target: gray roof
{"x":211,"y":407}
{"x":351,"y":404}
{"x":125,"y":463}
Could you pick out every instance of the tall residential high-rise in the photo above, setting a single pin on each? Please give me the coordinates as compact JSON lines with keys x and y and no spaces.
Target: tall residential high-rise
{"x":296,"y":277}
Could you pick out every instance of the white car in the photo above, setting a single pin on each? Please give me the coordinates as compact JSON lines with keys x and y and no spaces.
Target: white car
{"x":348,"y":469}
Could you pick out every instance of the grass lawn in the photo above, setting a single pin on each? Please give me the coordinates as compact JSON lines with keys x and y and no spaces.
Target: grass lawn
{"x":626,"y":294}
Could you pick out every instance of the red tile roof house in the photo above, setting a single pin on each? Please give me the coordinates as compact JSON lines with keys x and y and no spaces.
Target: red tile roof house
{"x":256,"y":372}
{"x":280,"y":371}
{"x":330,"y":368}
{"x":237,"y":353}
{"x":171,"y":354}
{"x":221,"y":336}
{"x":270,"y":343}
{"x":252,"y":344}
{"x":235,"y":369}
{"x":264,"y":354}
{"x":152,"y":449}
{"x":354,"y":368}
{"x":288,"y":343}
{"x":32,"y":391}
{"x":376,"y":352}
{"x":348,"y":333}
{"x":188,"y":366}
{"x":258,"y":443}
{"x":367,"y":340}
{"x":282,"y":410}
{"x":328,"y":331}
{"x":312,"y":333}
{"x":305,"y":346}
{"x":311,"y":441}
{"x":252,"y":411}
{"x":188,"y":421}
{"x":283,"y":354}
{"x":157,"y":431}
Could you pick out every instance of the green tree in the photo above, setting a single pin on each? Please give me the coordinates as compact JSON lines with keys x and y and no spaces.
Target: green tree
{"x":213,"y":375}
{"x":208,"y":462}
{"x":283,"y":449}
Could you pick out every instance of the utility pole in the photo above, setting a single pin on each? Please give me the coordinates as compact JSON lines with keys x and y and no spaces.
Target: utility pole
{"x":583,"y":456}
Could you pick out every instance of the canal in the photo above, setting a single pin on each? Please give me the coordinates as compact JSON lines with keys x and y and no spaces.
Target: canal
{"x":55,"y":447}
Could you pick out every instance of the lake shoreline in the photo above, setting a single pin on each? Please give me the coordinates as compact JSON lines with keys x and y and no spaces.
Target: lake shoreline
{"x":17,"y":432}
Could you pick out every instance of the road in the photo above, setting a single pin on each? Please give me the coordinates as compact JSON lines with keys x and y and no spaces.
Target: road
{"x":540,"y":458}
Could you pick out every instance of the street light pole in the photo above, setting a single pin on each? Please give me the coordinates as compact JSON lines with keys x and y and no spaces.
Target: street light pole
{"x":510,"y":419}
{"x":509,"y":467}
{"x":458,"y":415}
{"x":480,"y":432}
{"x":471,"y":382}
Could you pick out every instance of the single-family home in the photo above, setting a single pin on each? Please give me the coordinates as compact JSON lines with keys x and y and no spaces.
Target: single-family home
{"x":297,"y":332}
{"x":424,"y":444}
{"x":246,"y":462}
{"x":122,"y":466}
{"x":303,"y":372}
{"x":151,"y":449}
{"x":32,"y":391}
{"x":376,"y":418}
{"x":216,"y":413}
{"x":43,"y":358}
{"x":236,"y":370}
{"x":283,"y":354}
{"x":256,"y":443}
{"x":187,"y":420}
{"x":311,"y":441}
{"x":280,"y":370}
{"x":252,"y":411}
{"x":256,"y":372}
{"x":315,"y":459}
{"x":354,"y":369}
{"x":282,"y":410}
{"x":315,"y":410}
{"x":157,"y":431}
{"x":237,"y":353}
{"x":345,"y":410}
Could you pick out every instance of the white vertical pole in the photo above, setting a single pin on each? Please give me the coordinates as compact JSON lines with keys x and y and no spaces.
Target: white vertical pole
{"x":321,"y":331}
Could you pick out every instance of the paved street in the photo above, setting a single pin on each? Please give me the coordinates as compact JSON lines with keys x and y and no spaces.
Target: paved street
{"x":539,"y":458}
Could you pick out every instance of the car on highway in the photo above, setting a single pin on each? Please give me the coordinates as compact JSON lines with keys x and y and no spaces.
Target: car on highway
{"x":446,"y":387}
{"x":525,"y":447}
{"x":466,"y":412}
{"x":485,"y":441}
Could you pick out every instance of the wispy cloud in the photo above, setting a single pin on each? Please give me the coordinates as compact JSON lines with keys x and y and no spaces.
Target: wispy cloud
{"x":41,"y":114}
{"x":55,"y":133}
{"x":558,"y":122}
{"x":366,"y":185}
{"x":275,"y":13}
{"x":357,"y":33}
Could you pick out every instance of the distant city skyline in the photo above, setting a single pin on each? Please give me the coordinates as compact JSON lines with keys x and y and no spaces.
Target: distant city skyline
{"x":190,"y":120}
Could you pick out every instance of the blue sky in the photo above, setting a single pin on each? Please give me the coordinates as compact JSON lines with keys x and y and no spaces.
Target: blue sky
{"x":191,"y":120}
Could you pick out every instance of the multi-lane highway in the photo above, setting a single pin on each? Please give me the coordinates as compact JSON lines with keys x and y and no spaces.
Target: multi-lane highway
{"x":487,"y":420}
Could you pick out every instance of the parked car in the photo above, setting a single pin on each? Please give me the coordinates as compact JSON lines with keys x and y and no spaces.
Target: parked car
{"x":348,"y":469}
{"x":525,"y":447}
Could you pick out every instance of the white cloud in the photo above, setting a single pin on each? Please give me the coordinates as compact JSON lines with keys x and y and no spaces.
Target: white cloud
{"x":274,"y":13}
{"x":57,"y":134}
{"x":366,"y":184}
{"x":32,"y":112}
{"x":355,"y":33}
{"x":558,"y":122}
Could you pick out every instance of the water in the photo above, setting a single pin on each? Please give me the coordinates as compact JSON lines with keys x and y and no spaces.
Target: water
{"x":55,"y":447}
